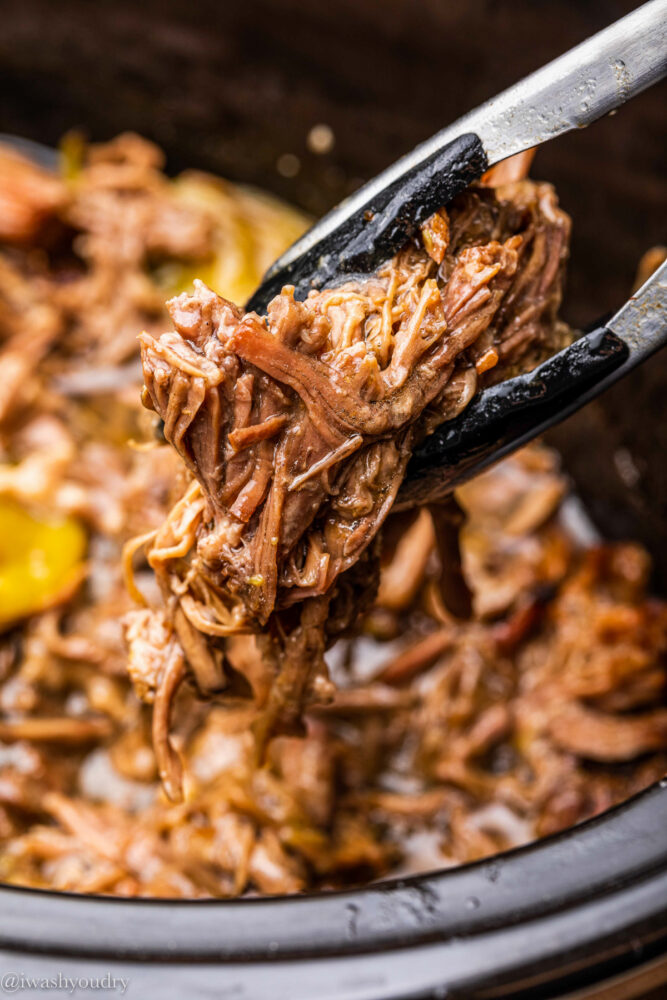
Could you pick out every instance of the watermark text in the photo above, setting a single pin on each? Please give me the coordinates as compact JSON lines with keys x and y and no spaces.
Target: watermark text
{"x":17,"y":982}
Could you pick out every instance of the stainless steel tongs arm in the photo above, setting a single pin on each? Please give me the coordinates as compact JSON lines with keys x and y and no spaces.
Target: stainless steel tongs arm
{"x":574,"y":90}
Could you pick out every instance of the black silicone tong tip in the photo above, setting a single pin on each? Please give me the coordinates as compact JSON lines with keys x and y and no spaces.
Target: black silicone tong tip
{"x":505,"y":416}
{"x":381,"y":226}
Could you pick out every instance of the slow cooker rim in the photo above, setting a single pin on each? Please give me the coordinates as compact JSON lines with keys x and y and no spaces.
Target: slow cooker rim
{"x":610,"y":856}
{"x":438,"y":944}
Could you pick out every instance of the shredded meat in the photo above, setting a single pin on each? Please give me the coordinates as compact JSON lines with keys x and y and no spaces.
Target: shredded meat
{"x":298,"y":427}
{"x":439,"y":738}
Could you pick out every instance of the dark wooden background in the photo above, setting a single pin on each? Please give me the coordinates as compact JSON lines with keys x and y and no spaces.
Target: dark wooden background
{"x":233,"y":85}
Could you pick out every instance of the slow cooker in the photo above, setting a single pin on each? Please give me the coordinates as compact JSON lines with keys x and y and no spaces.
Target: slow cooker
{"x":237,"y":88}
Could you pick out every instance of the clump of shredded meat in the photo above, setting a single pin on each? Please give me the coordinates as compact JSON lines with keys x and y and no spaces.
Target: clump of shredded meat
{"x":298,"y":427}
{"x":446,"y":739}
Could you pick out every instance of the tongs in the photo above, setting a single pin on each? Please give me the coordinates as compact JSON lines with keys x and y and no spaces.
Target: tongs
{"x":573,"y":91}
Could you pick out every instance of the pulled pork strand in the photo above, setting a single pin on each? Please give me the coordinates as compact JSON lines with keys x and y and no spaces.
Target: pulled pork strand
{"x":298,"y":427}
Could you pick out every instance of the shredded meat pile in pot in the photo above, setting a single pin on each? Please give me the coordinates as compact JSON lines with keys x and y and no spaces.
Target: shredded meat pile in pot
{"x":406,"y":720}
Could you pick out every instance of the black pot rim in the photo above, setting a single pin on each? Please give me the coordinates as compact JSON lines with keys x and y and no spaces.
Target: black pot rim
{"x":591,"y":898}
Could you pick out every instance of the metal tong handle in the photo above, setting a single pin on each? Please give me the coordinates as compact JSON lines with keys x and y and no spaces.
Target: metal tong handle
{"x":507,"y":415}
{"x":574,"y":90}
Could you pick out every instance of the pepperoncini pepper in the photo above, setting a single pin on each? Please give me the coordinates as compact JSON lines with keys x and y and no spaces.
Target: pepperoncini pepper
{"x":41,"y":560}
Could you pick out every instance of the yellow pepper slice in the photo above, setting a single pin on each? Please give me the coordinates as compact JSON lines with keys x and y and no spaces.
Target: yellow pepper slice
{"x":41,"y":560}
{"x":72,"y":150}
